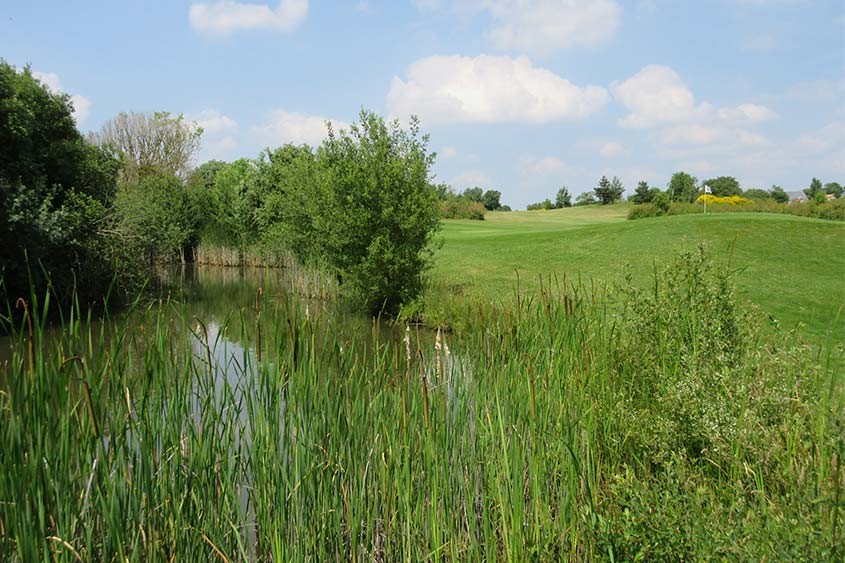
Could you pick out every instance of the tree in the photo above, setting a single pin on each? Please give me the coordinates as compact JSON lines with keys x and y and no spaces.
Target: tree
{"x":55,"y":194}
{"x":377,"y":211}
{"x":815,"y":188}
{"x":683,"y":187}
{"x":563,"y":198}
{"x":492,"y":200}
{"x":834,"y":189}
{"x":545,"y":205}
{"x":643,"y":193}
{"x":724,"y":186}
{"x":475,"y":194}
{"x":609,"y":191}
{"x":661,"y":201}
{"x":778,"y":194}
{"x":586,"y":198}
{"x":157,"y":214}
{"x":151,"y":143}
{"x":756,"y":193}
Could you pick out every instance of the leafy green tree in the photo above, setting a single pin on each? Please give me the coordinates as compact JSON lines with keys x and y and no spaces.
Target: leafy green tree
{"x":609,"y":191}
{"x":156,"y":213}
{"x":724,"y":186}
{"x":683,"y":187}
{"x":586,"y":198}
{"x":833,"y":188}
{"x":545,"y":205}
{"x":660,"y":200}
{"x":756,"y":193}
{"x":779,"y":195}
{"x":475,"y":194}
{"x":55,"y":194}
{"x":563,"y":198}
{"x":378,"y":211}
{"x":643,"y":193}
{"x":492,"y":200}
{"x":151,"y":143}
{"x":815,"y":188}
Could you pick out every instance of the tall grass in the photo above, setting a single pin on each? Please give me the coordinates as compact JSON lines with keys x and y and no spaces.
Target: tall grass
{"x":656,"y":425}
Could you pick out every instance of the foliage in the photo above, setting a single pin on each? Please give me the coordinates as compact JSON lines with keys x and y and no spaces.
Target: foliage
{"x":586,"y":198}
{"x":150,"y":143}
{"x":779,"y":195}
{"x":376,"y":211}
{"x":756,"y":193}
{"x":545,"y":205}
{"x":492,"y":200}
{"x":156,"y":217}
{"x":644,"y":193}
{"x":563,"y":198}
{"x":726,"y":200}
{"x":833,"y":188}
{"x":458,"y":207}
{"x":55,"y":195}
{"x":815,"y":188}
{"x":660,"y":200}
{"x":723,"y":186}
{"x":475,"y":194}
{"x":609,"y":191}
{"x":683,"y":187}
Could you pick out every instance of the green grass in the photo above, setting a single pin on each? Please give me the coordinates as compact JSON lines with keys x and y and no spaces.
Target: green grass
{"x":791,"y":267}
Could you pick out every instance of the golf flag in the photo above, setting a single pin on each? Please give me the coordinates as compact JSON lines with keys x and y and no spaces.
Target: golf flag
{"x":707,"y":190}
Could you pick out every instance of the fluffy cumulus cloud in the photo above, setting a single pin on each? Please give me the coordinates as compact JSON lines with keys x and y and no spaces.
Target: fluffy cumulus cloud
{"x":655,"y":95}
{"x":283,"y":127}
{"x":489,"y":89}
{"x":226,"y":17}
{"x":214,"y":123}
{"x":81,"y":104}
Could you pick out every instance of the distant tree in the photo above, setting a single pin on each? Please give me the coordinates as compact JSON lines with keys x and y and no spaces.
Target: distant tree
{"x":492,"y":200}
{"x":661,"y":201}
{"x":683,"y":187}
{"x":586,"y":198}
{"x":815,"y":188}
{"x":546,"y":204}
{"x":643,"y":194}
{"x":443,"y":190}
{"x":723,"y":186}
{"x":151,"y":143}
{"x":778,"y":194}
{"x":505,"y":208}
{"x":563,"y":198}
{"x":833,"y":188}
{"x":475,"y":194}
{"x":609,"y":191}
{"x":756,"y":193}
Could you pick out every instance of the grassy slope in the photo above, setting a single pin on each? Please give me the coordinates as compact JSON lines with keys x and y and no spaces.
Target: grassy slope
{"x":794,"y":267}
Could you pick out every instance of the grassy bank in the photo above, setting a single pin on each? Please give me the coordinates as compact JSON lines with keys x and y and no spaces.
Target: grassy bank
{"x":790,"y":267}
{"x":554,"y":429}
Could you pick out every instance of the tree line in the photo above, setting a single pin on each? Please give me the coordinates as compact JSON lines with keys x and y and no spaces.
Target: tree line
{"x":88,"y":217}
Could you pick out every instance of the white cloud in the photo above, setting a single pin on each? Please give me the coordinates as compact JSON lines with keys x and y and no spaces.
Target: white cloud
{"x":542,"y":26}
{"x":471,"y":178}
{"x":746,"y":113}
{"x":447,"y":152}
{"x":286,"y":127}
{"x":225,"y":17}
{"x":81,"y":104}
{"x":655,"y":95}
{"x":611,"y":149}
{"x":721,"y":136}
{"x":214,"y":123}
{"x":488,"y":89}
{"x":545,"y":166}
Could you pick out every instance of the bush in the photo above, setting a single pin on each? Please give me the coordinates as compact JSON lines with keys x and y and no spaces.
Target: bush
{"x":643,"y":210}
{"x":723,"y":200}
{"x":459,"y":207}
{"x":377,"y":211}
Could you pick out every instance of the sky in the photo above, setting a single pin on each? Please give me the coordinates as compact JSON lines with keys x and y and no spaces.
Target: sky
{"x":520,"y":96}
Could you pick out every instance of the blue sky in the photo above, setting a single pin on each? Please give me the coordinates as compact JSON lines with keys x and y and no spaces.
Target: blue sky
{"x":522,"y":96}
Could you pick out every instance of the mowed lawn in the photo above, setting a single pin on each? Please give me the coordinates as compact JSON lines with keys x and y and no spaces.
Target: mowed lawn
{"x":791,"y":267}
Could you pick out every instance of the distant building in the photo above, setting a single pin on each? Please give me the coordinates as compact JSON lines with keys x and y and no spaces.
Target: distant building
{"x":797,"y":196}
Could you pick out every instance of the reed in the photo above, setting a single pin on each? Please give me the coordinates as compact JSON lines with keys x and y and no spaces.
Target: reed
{"x":559,"y":428}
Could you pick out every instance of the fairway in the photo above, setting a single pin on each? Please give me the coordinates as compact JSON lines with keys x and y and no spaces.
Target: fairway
{"x":791,"y":267}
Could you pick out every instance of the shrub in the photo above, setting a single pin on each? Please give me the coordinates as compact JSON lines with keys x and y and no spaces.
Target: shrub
{"x":723,"y":200}
{"x":459,"y":207}
{"x":644,"y":210}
